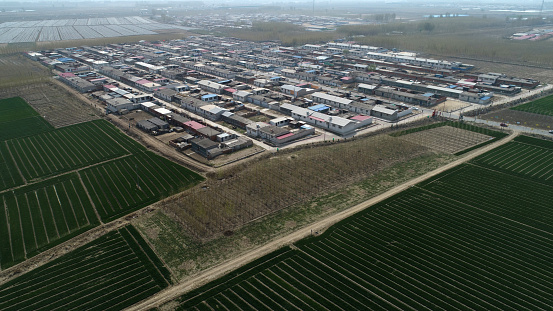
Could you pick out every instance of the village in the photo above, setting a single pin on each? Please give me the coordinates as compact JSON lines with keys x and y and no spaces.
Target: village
{"x":211,"y":96}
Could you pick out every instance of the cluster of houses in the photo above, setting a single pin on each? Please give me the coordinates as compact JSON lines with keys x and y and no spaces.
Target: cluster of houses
{"x":213,"y":78}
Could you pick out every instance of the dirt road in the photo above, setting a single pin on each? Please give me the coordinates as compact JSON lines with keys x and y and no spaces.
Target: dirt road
{"x":222,"y":269}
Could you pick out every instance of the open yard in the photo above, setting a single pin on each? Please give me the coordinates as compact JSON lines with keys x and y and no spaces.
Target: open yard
{"x":451,"y":105}
{"x":468,"y":238}
{"x":111,"y":273}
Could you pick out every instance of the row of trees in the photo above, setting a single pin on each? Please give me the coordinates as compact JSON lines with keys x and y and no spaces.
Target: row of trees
{"x":236,"y":196}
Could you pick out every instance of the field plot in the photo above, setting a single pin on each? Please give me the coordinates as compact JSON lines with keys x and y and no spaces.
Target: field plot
{"x":502,"y":194}
{"x":540,"y":106}
{"x":471,"y":138}
{"x":15,"y":108}
{"x":414,"y":251}
{"x":71,"y":29}
{"x":18,"y":119}
{"x":111,"y":273}
{"x":470,"y":238}
{"x":116,"y":172}
{"x":524,"y":118}
{"x":447,"y":139}
{"x":42,"y":215}
{"x":121,"y":186}
{"x":527,"y":157}
{"x":64,"y":149}
{"x":9,"y":174}
{"x":58,"y":106}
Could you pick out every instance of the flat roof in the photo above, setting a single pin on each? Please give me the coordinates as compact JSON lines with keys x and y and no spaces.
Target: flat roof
{"x":319,"y":107}
{"x":285,"y":135}
{"x":194,"y":125}
{"x":162,"y":111}
{"x":360,"y":118}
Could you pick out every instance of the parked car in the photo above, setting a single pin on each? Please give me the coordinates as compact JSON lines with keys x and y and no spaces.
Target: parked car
{"x":551,"y":132}
{"x":503,"y":124}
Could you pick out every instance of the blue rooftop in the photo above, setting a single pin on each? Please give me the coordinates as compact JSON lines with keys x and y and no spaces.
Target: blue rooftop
{"x":319,"y":107}
{"x":428,"y":94}
{"x":66,"y":60}
{"x":209,"y":96}
{"x":485,"y":98}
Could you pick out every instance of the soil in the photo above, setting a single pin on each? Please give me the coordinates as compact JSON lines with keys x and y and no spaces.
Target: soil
{"x":520,"y":117}
{"x":451,"y":105}
{"x":55,"y":102}
{"x":447,"y":139}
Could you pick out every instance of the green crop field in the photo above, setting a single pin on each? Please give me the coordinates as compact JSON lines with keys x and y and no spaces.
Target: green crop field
{"x":15,"y":108}
{"x":42,"y":215}
{"x":107,"y":175}
{"x":126,"y":184}
{"x":473,"y":237}
{"x":527,"y":157}
{"x":64,"y":149}
{"x":543,"y":106}
{"x":110,"y":273}
{"x":9,"y":174}
{"x":18,"y":119}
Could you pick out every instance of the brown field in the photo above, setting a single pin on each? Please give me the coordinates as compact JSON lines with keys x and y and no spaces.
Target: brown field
{"x":18,"y":70}
{"x":520,"y":71}
{"x":447,"y":139}
{"x":520,"y":117}
{"x":58,"y":104}
{"x":54,"y":102}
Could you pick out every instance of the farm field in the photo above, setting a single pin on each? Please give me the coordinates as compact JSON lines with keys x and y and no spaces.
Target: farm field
{"x":527,"y":157}
{"x":110,"y":273}
{"x":18,"y":119}
{"x":42,"y":215}
{"x":73,"y":29}
{"x":456,"y":138}
{"x":129,"y":183}
{"x":543,"y":106}
{"x":58,"y":184}
{"x":15,"y":108}
{"x":57,"y":105}
{"x":447,"y":139}
{"x":64,"y":149}
{"x":470,"y":238}
{"x":524,"y":118}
